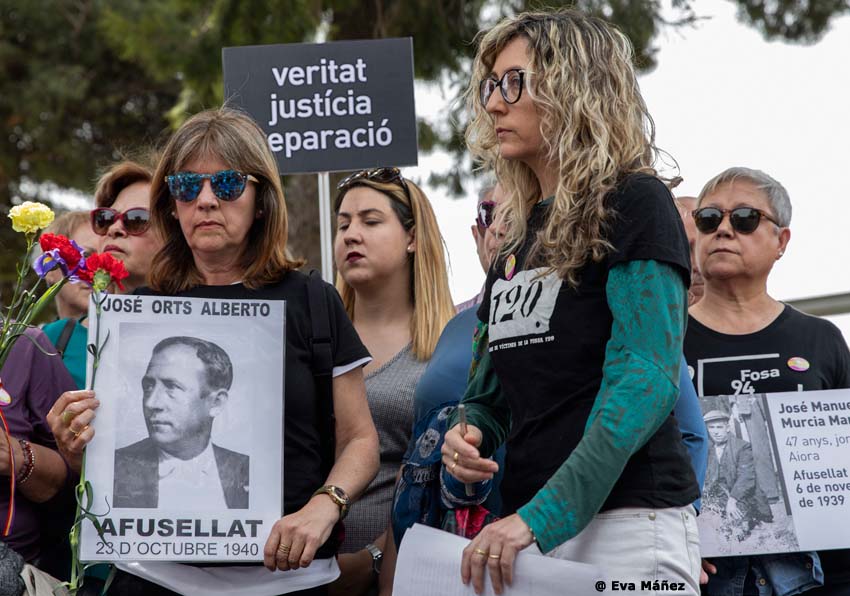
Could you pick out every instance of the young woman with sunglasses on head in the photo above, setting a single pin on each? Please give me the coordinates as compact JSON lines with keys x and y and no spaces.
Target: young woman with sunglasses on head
{"x":392,"y":278}
{"x":742,"y":220}
{"x":584,"y":311}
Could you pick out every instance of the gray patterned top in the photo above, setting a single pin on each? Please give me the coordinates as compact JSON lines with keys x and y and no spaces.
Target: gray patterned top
{"x":389,"y":390}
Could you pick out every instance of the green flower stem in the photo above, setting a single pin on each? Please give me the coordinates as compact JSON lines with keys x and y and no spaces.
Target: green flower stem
{"x":23,"y":268}
{"x":77,"y":569}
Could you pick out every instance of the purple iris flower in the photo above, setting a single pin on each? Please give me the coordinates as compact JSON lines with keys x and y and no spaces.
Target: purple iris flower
{"x":48,"y":261}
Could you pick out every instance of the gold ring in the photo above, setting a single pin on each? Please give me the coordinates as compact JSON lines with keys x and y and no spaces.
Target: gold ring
{"x":455,"y":457}
{"x":67,"y":416}
{"x":452,"y":469}
{"x":478,"y":551}
{"x":76,"y":433}
{"x":495,"y":556}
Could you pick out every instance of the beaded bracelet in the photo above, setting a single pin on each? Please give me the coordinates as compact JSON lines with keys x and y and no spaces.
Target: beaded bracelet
{"x":29,"y":462}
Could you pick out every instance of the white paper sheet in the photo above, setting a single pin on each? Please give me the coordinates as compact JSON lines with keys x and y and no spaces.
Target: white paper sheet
{"x":429,"y":563}
{"x":233,"y":581}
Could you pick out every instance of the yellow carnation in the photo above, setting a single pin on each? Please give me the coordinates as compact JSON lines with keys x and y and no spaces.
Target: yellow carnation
{"x":29,"y":217}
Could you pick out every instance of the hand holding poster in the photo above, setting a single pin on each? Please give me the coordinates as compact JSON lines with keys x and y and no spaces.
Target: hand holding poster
{"x":189,"y":431}
{"x":797,"y":442}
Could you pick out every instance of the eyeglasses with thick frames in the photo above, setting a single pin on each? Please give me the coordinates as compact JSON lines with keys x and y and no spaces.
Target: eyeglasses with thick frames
{"x":382,"y":175}
{"x":510,"y":85}
{"x":136,"y":221}
{"x":744,"y":220}
{"x":484,"y":218}
{"x":227,"y":185}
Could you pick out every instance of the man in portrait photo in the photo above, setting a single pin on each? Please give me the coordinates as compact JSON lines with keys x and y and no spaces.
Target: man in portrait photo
{"x":185,"y":387}
{"x":730,"y":478}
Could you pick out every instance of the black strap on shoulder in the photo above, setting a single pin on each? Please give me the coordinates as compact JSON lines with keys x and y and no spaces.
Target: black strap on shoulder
{"x":65,"y":336}
{"x":320,"y":344}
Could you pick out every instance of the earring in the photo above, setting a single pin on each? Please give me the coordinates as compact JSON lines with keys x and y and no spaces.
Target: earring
{"x":410,"y":248}
{"x":781,"y":252}
{"x":174,"y":214}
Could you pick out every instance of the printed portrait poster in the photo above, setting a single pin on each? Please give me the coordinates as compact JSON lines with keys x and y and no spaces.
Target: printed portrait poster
{"x":187,"y":461}
{"x":777,"y":478}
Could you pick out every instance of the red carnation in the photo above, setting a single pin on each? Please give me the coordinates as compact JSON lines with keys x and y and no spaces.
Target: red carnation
{"x":69,"y":251}
{"x":110,"y":268}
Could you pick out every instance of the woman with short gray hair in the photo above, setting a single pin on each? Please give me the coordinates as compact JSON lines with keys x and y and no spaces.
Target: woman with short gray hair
{"x":742,"y":220}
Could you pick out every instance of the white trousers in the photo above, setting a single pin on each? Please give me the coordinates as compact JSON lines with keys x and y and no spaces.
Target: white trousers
{"x":640,"y":549}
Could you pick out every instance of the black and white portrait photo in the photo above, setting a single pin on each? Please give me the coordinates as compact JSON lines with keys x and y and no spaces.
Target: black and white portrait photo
{"x":738,"y":515}
{"x":186,"y":385}
{"x":187,"y":461}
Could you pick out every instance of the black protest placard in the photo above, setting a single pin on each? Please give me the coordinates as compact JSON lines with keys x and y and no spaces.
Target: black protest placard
{"x":328,"y":107}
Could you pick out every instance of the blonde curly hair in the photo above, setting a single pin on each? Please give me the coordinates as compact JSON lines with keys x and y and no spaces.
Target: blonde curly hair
{"x":595,"y":126}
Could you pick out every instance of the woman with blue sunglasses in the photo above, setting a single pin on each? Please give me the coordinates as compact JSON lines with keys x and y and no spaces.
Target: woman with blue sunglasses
{"x":741,"y":341}
{"x":218,"y":202}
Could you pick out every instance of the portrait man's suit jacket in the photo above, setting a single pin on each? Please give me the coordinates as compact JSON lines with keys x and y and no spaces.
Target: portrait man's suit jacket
{"x":735,"y":472}
{"x":136,"y":481}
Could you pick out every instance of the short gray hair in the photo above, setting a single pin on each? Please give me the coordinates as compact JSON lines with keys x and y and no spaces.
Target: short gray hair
{"x":487,"y":188}
{"x":777,"y":196}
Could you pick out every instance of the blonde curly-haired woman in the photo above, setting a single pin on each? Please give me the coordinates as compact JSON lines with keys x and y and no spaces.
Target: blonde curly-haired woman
{"x":585,"y":312}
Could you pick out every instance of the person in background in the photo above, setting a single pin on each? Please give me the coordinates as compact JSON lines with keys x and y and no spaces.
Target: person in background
{"x":121,"y":221}
{"x":69,"y":333}
{"x":686,"y":207}
{"x":32,"y":380}
{"x":488,"y":200}
{"x":393,"y":282}
{"x":446,"y":375}
{"x":579,"y":387}
{"x":119,"y":225}
{"x":743,"y":219}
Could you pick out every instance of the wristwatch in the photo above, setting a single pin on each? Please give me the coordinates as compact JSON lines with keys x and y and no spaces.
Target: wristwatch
{"x":338,"y":496}
{"x":377,"y":557}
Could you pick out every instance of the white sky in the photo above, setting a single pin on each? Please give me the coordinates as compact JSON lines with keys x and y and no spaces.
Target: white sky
{"x":722,"y":96}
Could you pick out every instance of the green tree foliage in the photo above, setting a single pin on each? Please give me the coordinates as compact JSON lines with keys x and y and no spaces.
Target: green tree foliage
{"x":69,"y":103}
{"x":84,"y":79}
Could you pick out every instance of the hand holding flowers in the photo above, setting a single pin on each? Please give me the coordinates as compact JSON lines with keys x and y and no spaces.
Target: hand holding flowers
{"x":65,"y":256}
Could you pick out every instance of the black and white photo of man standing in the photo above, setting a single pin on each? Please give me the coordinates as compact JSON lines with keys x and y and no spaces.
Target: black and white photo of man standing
{"x":185,"y":386}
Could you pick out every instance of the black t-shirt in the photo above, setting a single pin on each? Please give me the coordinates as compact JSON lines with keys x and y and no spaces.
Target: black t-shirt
{"x":302,"y":441}
{"x":796,"y":352}
{"x":547,"y":343}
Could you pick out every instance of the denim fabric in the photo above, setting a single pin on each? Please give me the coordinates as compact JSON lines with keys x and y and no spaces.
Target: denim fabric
{"x":689,"y":415}
{"x":775,"y":575}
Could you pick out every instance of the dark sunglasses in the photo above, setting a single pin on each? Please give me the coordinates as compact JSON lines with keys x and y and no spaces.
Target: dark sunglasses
{"x":136,"y":221}
{"x":227,"y":185}
{"x":743,"y":219}
{"x":510,"y":85}
{"x":484,"y":218}
{"x":382,"y":175}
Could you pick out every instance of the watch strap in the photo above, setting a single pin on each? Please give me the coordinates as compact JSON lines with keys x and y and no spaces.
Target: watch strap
{"x":338,"y":496}
{"x":377,"y":557}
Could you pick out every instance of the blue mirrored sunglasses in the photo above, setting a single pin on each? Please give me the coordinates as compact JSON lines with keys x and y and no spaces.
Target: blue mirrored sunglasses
{"x":227,"y":185}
